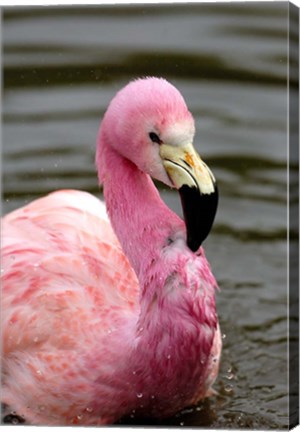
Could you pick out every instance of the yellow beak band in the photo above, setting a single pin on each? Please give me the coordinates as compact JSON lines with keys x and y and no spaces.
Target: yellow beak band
{"x":197,"y":188}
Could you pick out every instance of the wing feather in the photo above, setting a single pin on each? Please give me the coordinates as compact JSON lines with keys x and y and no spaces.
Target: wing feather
{"x":60,"y":254}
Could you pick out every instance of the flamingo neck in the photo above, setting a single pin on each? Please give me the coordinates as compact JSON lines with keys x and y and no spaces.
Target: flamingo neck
{"x":175,"y":328}
{"x":141,"y":220}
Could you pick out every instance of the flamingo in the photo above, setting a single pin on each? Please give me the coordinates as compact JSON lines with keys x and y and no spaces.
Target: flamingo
{"x":110,"y":310}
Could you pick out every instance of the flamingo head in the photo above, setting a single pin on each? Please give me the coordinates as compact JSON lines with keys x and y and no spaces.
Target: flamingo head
{"x":149,"y":124}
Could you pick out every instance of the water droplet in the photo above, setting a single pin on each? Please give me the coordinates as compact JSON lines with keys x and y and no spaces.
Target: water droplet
{"x":88,"y":409}
{"x":223,"y":336}
{"x":133,"y":372}
{"x":15,"y":421}
{"x":36,"y":339}
{"x":198,"y":409}
{"x":141,"y":329}
{"x":39,"y":372}
{"x":139,"y":395}
{"x":79,"y":417}
{"x":228,"y":388}
{"x":168,"y":356}
{"x":181,"y":423}
{"x":41,"y":407}
{"x":230,"y":376}
{"x":152,"y":397}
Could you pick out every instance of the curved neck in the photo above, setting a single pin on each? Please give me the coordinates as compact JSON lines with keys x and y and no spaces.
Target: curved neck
{"x":175,"y":326}
{"x":141,"y":220}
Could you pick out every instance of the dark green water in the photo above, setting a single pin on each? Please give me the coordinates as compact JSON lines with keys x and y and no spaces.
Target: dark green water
{"x":62,"y":67}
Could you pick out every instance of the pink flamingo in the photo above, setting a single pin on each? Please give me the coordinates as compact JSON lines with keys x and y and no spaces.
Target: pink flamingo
{"x":103,"y":320}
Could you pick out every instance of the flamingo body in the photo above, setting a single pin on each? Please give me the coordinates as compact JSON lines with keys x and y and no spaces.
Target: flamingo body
{"x":102,"y":319}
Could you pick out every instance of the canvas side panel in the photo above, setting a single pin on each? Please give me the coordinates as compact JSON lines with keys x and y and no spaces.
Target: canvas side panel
{"x":293,"y":125}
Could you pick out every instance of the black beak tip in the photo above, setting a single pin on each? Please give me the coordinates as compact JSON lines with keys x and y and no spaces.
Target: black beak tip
{"x":193,"y":245}
{"x":199,"y":213}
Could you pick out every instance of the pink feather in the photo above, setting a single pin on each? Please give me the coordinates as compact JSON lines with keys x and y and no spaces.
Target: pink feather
{"x":100,"y":320}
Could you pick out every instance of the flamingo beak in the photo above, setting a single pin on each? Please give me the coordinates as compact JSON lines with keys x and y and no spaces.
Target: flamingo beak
{"x":197,"y":188}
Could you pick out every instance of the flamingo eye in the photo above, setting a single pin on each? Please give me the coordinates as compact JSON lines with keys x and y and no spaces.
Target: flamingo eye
{"x":155,"y":138}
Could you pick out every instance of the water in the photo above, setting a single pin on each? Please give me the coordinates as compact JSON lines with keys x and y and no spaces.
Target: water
{"x":62,"y":66}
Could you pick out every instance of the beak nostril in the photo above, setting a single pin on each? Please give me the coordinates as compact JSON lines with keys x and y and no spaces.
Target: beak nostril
{"x":186,"y":163}
{"x":189,"y":159}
